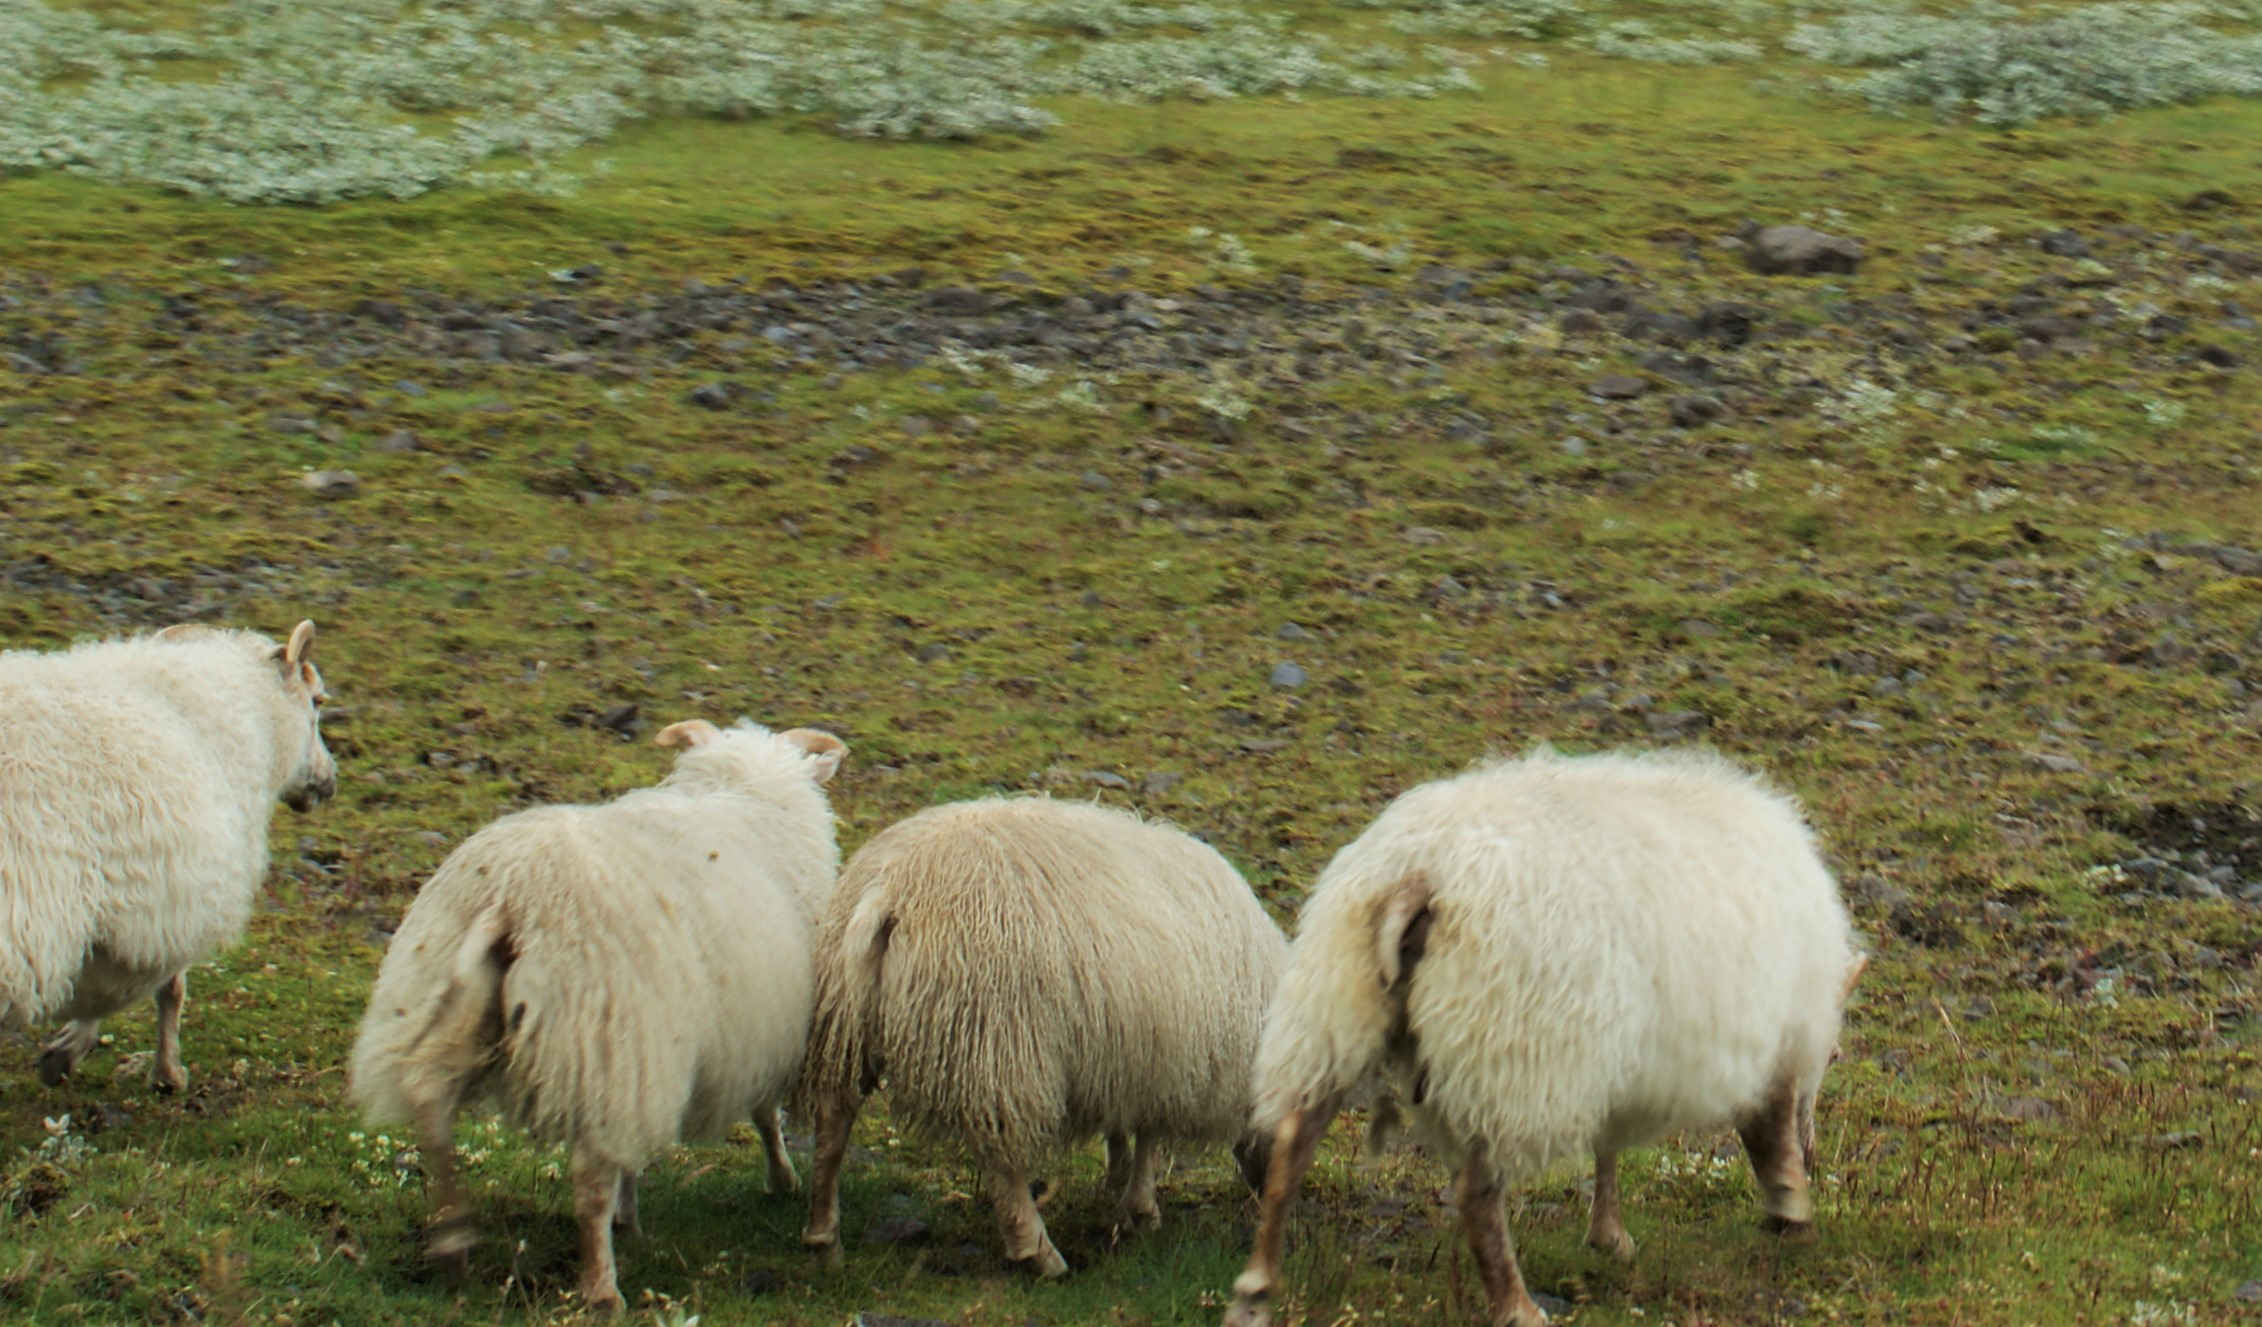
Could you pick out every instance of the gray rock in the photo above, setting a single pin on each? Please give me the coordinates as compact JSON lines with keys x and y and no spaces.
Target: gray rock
{"x":330,"y":485}
{"x":1799,"y":251}
{"x":1290,"y":631}
{"x":1618,"y":386}
{"x":894,"y":1230}
{"x":2063,"y":244}
{"x":1573,"y":446}
{"x":933,"y":652}
{"x":2249,"y":1292}
{"x":2187,"y":885}
{"x":1159,"y":782}
{"x":399,"y":440}
{"x":1677,"y":723}
{"x":1095,"y":482}
{"x":1107,"y":779}
{"x":1690,"y":412}
{"x":2054,"y":762}
{"x":1288,"y":677}
{"x":710,"y":396}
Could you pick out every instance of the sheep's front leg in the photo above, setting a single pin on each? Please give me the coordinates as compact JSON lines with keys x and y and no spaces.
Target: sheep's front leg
{"x":1484,"y":1221}
{"x":1026,"y":1242}
{"x":168,"y":1076}
{"x":1772,"y":1139}
{"x":1294,"y":1144}
{"x":1139,"y":1206}
{"x":834,"y":1119}
{"x":782,"y":1178}
{"x":1606,"y":1229}
{"x":62,"y":1055}
{"x":624,"y":1211}
{"x":1118,"y":1162}
{"x":596,"y":1191}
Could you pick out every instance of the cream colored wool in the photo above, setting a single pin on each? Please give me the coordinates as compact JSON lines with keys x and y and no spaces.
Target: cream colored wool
{"x":1552,"y":956}
{"x":617,"y":976}
{"x":1025,"y":973}
{"x":137,"y":777}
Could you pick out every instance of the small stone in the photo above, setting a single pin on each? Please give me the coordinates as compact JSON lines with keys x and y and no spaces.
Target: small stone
{"x":1688,"y":412}
{"x":1618,"y":387}
{"x":1573,"y":446}
{"x":399,"y":440}
{"x":1107,"y":779}
{"x":1422,"y":534}
{"x":2030,"y":1110}
{"x":2063,"y":244}
{"x":2249,"y":1292}
{"x":933,"y":652}
{"x":330,"y":485}
{"x":1677,"y":723}
{"x":777,"y":334}
{"x":1159,"y":782}
{"x":2181,"y":1140}
{"x":2218,"y":356}
{"x":2054,"y":762}
{"x":1290,"y":631}
{"x":1095,"y":482}
{"x":894,"y":1230}
{"x":711,"y":396}
{"x":1287,"y":676}
{"x":1799,"y":251}
{"x":295,"y":424}
{"x":620,"y":719}
{"x":917,"y":426}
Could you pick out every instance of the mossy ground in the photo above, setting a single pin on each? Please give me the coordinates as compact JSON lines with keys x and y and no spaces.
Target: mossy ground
{"x":2046,"y":1110}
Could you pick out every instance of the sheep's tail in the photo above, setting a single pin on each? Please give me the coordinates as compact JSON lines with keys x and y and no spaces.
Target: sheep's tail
{"x":1341,"y":1008}
{"x":434,"y":1052}
{"x":842,"y":1065}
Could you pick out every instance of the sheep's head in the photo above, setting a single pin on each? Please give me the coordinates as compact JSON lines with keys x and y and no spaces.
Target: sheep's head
{"x":312,"y":776}
{"x":821,"y":752}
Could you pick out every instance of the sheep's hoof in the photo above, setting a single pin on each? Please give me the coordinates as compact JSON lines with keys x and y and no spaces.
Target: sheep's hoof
{"x":603,"y":1301}
{"x":166,"y":1082}
{"x":1788,"y":1229}
{"x":55,"y":1065}
{"x":1045,"y":1264}
{"x":783,"y":1180}
{"x":1142,"y":1218}
{"x":1618,"y":1244}
{"x":1250,"y":1311}
{"x":826,"y":1247}
{"x":448,"y":1242}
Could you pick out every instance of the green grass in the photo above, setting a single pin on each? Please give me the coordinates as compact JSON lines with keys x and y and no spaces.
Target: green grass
{"x":2004,"y":1145}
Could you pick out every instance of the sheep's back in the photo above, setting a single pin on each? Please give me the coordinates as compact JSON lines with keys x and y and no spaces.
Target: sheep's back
{"x":658,"y":980}
{"x":1619,"y":946}
{"x":1055,"y":969}
{"x":126,"y":823}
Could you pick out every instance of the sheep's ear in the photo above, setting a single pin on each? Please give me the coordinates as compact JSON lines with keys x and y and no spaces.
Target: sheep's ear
{"x":1403,"y":932}
{"x":1853,"y":974}
{"x":824,"y":750}
{"x":297,"y":650}
{"x":687,"y":734}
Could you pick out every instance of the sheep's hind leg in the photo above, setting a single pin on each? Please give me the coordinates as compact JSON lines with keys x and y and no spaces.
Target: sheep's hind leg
{"x":1026,"y":1242}
{"x":1606,"y":1228}
{"x":834,"y":1119}
{"x":449,"y":1232}
{"x":1778,"y":1161}
{"x":782,"y":1178}
{"x":168,"y":1076}
{"x":596,"y":1192}
{"x":62,"y":1055}
{"x":1294,"y":1143}
{"x":1139,"y":1206}
{"x":1485,"y":1223}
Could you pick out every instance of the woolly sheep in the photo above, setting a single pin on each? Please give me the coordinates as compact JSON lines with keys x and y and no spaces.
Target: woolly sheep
{"x":137,"y":777}
{"x":1026,"y":973}
{"x":1553,"y":955}
{"x":615,"y":977}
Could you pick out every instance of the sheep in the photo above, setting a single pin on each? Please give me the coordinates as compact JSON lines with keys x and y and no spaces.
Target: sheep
{"x":1554,"y":955}
{"x":137,"y":777}
{"x":614,"y":977}
{"x":1027,"y":973}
